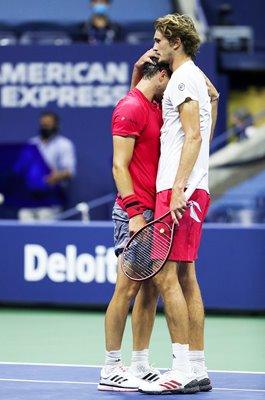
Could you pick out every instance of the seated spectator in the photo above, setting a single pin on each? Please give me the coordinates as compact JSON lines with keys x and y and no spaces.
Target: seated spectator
{"x":49,"y":195}
{"x":99,"y":28}
{"x":242,"y":123}
{"x":224,"y":15}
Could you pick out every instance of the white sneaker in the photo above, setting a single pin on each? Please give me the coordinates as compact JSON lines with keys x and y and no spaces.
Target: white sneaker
{"x":147,"y":373}
{"x":171,"y":382}
{"x":118,"y":380}
{"x":203,"y":380}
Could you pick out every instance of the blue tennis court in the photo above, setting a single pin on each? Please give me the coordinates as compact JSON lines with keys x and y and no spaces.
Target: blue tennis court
{"x":19,"y":381}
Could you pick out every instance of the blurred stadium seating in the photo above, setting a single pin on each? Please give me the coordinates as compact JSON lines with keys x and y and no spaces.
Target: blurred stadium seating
{"x":33,"y":21}
{"x":45,"y":37}
{"x":7,"y":38}
{"x":244,"y":203}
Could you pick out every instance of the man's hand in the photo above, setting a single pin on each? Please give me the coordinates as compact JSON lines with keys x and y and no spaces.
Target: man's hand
{"x":177,"y":205}
{"x":146,"y":57}
{"x":57,"y":176}
{"x":137,"y":70}
{"x":136,"y":223}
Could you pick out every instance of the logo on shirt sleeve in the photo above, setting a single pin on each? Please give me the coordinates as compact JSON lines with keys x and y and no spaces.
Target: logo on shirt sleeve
{"x":181,"y":86}
{"x":130,"y":120}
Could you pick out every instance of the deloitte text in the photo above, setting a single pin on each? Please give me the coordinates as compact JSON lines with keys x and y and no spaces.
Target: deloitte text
{"x":68,"y":85}
{"x":70,"y":267}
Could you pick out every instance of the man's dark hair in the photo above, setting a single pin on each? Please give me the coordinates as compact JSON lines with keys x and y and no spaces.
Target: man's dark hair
{"x":53,"y":115}
{"x":149,"y":70}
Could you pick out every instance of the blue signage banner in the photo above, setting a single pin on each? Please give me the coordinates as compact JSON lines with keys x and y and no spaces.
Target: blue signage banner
{"x":73,"y":263}
{"x":82,"y":84}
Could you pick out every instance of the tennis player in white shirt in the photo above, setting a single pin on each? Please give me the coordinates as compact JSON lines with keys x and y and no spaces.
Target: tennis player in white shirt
{"x":189,"y":116}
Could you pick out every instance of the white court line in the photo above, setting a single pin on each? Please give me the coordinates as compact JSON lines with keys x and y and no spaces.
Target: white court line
{"x":96,"y":383}
{"x":100,"y":366}
{"x":42,"y":381}
{"x":239,"y":390}
{"x":236,"y":372}
{"x":51,"y":365}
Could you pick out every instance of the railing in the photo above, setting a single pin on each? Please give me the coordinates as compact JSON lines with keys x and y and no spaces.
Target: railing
{"x":84,"y":208}
{"x":221,"y":140}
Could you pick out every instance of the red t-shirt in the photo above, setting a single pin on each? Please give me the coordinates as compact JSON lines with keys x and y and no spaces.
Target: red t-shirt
{"x":136,"y":116}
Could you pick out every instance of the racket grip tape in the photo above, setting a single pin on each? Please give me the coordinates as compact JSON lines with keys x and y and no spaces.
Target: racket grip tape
{"x":132,"y":205}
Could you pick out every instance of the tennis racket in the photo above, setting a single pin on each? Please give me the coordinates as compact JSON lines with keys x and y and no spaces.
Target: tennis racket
{"x":148,"y":249}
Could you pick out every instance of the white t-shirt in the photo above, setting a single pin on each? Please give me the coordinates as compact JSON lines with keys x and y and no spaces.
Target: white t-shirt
{"x":186,"y":82}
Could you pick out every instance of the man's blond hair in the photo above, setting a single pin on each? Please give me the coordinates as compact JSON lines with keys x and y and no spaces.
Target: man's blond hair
{"x":174,"y":26}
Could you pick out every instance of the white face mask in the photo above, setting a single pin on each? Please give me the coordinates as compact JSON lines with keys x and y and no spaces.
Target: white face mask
{"x":100,"y":9}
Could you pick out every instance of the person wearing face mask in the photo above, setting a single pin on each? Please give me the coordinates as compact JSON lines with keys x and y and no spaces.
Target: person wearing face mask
{"x":58,"y":153}
{"x":99,"y":28}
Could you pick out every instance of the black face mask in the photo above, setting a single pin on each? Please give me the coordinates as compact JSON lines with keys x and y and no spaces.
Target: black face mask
{"x":46,"y":133}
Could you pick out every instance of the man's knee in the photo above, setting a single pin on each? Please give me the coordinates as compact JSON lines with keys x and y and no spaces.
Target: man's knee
{"x":165,"y":283}
{"x":127,"y":289}
{"x":187,"y":276}
{"x":148,"y":294}
{"x":150,"y":289}
{"x":188,"y":282}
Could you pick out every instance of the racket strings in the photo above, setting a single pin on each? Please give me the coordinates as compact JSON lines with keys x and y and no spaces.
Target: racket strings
{"x":147,"y":251}
{"x":164,"y":238}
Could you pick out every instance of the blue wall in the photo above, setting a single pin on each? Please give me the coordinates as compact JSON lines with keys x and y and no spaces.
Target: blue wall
{"x":74,"y":263}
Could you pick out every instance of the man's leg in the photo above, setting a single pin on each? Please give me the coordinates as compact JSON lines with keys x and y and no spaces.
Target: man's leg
{"x":175,"y":306}
{"x":181,"y":378}
{"x":192,"y":294}
{"x":118,"y":309}
{"x":114,"y":376}
{"x":143,"y":317}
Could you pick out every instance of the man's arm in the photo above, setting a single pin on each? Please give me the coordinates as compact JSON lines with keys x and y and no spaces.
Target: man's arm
{"x":123,"y":148}
{"x":214,"y":104}
{"x":67,"y":162}
{"x":57,"y":176}
{"x":214,"y":96}
{"x":190,"y":120}
{"x":122,"y":154}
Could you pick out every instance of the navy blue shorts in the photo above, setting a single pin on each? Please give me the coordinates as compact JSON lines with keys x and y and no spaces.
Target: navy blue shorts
{"x":121,"y":226}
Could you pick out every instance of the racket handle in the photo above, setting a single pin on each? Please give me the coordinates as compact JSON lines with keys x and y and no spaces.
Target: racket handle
{"x":193,"y":185}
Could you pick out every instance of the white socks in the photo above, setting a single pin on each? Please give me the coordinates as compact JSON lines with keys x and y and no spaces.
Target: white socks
{"x":197,"y":360}
{"x":140,"y":358}
{"x":185,"y":360}
{"x":181,"y":360}
{"x":112,"y":359}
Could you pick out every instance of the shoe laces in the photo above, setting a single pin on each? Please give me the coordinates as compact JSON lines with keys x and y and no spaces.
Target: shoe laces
{"x":146,"y":369}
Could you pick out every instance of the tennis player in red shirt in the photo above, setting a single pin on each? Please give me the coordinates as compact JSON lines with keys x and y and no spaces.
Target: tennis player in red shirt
{"x":136,"y":124}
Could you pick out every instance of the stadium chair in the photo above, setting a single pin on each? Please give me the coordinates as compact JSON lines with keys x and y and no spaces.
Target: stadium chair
{"x":139,"y":32}
{"x":7,"y":38}
{"x":244,"y":203}
{"x":45,"y":38}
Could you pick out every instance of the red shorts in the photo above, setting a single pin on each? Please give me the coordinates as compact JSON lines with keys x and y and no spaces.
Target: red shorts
{"x":188,"y":234}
